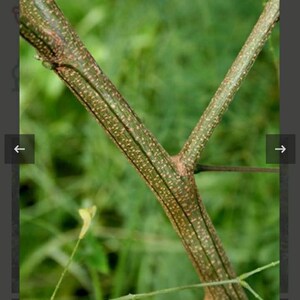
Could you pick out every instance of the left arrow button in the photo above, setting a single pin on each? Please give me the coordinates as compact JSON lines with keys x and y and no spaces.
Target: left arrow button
{"x":16,"y":154}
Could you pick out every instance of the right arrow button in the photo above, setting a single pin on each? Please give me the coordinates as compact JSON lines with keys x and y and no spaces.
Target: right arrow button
{"x":280,"y":148}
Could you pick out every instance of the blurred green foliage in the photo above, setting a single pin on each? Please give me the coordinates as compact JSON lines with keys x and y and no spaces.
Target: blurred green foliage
{"x":167,"y":58}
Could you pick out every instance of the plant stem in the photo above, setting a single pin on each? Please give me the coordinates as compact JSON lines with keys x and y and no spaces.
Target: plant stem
{"x":192,"y":149}
{"x":239,"y":280}
{"x":44,"y":26}
{"x":246,"y":275}
{"x":207,"y":168}
{"x":65,"y":270}
{"x":176,"y":289}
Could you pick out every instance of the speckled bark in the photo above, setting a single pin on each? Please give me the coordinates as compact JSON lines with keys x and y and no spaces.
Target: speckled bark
{"x":43,"y":25}
{"x":190,"y":154}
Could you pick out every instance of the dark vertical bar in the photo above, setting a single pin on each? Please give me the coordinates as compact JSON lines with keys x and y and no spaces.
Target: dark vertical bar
{"x":289,"y":124}
{"x":9,"y":123}
{"x":15,"y":232}
{"x":284,"y":231}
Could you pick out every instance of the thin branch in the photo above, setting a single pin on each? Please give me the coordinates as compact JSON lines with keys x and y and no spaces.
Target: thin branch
{"x":207,"y":168}
{"x":240,"y":280}
{"x":191,"y":151}
{"x":65,"y":270}
{"x":248,"y":274}
{"x":177,"y":289}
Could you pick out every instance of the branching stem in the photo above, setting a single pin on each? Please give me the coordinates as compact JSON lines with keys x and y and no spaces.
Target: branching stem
{"x":171,"y":179}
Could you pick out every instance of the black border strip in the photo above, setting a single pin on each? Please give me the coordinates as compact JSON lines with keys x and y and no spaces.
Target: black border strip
{"x":9,"y":124}
{"x":289,"y":124}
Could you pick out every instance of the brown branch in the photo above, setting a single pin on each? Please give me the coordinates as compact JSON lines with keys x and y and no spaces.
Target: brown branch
{"x":44,"y":26}
{"x":192,"y":149}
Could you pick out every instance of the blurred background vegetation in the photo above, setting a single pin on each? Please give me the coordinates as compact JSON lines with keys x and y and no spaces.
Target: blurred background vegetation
{"x":167,"y":58}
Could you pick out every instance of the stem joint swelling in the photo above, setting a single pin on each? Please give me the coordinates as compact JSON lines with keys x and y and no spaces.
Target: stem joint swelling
{"x":180,"y":166}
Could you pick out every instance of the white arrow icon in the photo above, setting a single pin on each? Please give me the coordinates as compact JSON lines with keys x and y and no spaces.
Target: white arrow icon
{"x":282,"y":149}
{"x":17,"y":149}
